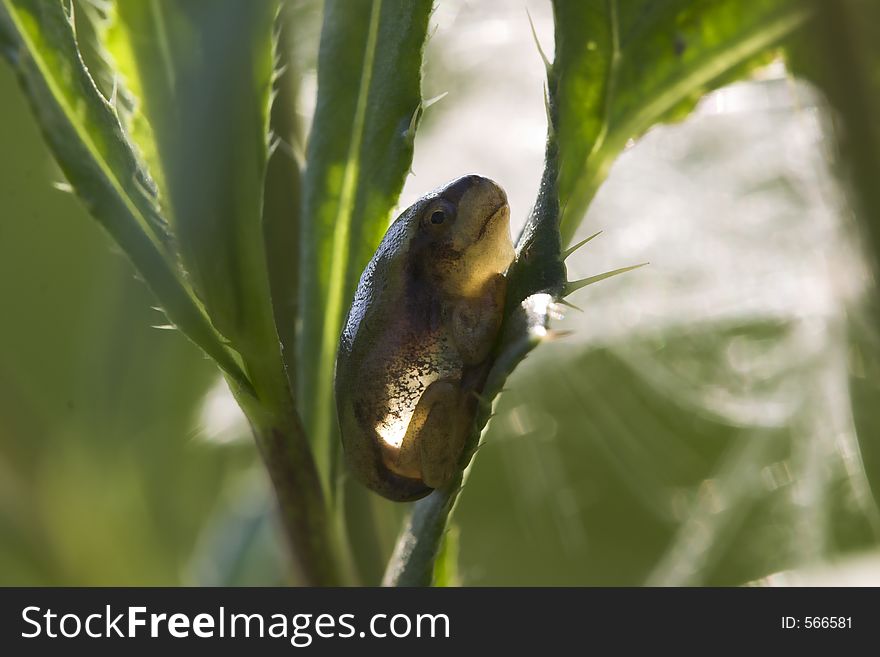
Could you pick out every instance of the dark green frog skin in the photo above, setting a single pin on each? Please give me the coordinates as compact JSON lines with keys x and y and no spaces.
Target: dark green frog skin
{"x":425,"y":314}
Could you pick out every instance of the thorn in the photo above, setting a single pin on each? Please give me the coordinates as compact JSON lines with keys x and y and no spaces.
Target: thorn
{"x":410,"y":133}
{"x":574,"y":248}
{"x":436,"y":99}
{"x":553,"y":334}
{"x":164,"y":327}
{"x":274,"y":141}
{"x":569,"y":304}
{"x":537,"y":42}
{"x":65,"y":187}
{"x":283,"y":146}
{"x":573,"y":286}
{"x":114,"y":95}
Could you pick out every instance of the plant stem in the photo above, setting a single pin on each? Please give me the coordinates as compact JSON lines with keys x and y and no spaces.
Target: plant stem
{"x":412,"y":563}
{"x":284,"y":447}
{"x":288,"y":460}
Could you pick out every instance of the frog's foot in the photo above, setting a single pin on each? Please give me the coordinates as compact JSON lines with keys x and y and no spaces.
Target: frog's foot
{"x":435,"y":436}
{"x":476,"y":320}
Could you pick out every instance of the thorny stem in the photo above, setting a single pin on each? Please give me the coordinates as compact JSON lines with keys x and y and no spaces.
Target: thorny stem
{"x":284,"y":447}
{"x":412,"y":563}
{"x":301,"y":505}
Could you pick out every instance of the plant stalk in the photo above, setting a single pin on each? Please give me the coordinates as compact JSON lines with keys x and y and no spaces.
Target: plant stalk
{"x":286,"y":453}
{"x":301,"y":504}
{"x":412,"y":563}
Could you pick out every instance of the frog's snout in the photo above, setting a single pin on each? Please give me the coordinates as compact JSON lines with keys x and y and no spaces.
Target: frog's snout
{"x":473,"y":188}
{"x":481,"y":208}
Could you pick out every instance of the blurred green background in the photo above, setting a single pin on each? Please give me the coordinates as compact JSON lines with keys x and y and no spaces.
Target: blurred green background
{"x":103,"y":479}
{"x":710,"y":421}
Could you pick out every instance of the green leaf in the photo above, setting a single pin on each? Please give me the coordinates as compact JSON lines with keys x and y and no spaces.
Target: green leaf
{"x":95,"y":27}
{"x":204,"y":70}
{"x":446,"y":565}
{"x":359,"y":153}
{"x":115,"y":53}
{"x":283,"y":194}
{"x":86,"y":136}
{"x":104,"y":478}
{"x":622,"y":67}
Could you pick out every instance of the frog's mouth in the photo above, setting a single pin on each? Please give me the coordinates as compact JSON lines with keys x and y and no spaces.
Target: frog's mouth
{"x":501,"y":213}
{"x":479,"y":203}
{"x":480,"y":236}
{"x":481,"y":225}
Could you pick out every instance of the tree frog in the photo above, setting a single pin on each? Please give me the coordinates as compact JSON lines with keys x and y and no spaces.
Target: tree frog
{"x":425,"y":315}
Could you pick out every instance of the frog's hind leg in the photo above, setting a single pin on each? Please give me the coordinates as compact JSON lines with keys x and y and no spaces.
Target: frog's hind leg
{"x":436,"y":433}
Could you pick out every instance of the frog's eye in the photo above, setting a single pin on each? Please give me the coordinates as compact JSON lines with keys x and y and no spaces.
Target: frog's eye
{"x":440,"y":215}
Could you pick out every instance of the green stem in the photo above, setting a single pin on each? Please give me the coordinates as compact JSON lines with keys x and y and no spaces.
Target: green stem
{"x":412,"y":563}
{"x":285,"y":451}
{"x":287,"y":455}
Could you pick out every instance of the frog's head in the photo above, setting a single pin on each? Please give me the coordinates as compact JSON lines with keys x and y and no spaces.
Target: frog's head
{"x":462,"y":234}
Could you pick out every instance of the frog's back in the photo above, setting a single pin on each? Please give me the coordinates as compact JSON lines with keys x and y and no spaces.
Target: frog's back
{"x":369,"y":363}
